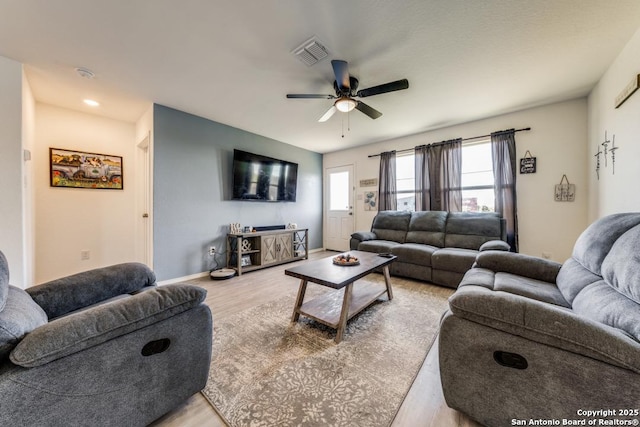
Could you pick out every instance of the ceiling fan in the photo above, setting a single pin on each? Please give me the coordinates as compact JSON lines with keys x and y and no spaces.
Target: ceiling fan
{"x":345,"y":86}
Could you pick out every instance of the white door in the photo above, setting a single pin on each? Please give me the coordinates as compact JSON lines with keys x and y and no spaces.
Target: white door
{"x":339,"y":207}
{"x":143,"y":204}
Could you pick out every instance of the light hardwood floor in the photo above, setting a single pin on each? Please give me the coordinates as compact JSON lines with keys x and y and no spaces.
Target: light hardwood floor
{"x":424,"y":405}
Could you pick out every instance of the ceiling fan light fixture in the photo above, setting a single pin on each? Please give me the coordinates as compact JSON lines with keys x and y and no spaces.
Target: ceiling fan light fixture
{"x":345,"y":104}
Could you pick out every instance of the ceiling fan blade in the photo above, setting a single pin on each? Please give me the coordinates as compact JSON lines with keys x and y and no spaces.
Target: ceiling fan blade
{"x":387,"y":87}
{"x":369,"y":111}
{"x":341,"y":71}
{"x":326,"y":116}
{"x":308,"y":96}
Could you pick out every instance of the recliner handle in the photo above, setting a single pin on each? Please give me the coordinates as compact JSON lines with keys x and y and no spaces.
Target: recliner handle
{"x":156,"y":347}
{"x":510,"y":360}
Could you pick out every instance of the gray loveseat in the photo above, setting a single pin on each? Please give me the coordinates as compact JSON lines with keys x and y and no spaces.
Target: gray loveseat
{"x":526,"y":338}
{"x":102,"y":348}
{"x":433,"y":246}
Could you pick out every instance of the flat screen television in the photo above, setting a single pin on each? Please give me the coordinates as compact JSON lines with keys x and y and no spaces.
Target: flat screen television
{"x":262,"y":178}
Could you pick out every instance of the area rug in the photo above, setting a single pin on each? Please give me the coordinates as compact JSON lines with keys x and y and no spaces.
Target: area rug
{"x":267,"y":371}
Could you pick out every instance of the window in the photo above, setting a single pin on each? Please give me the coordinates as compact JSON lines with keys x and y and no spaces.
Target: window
{"x":405,"y":182}
{"x":477,"y":179}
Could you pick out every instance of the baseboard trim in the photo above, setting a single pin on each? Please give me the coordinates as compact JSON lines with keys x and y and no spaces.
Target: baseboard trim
{"x":206,"y":273}
{"x":183,"y":279}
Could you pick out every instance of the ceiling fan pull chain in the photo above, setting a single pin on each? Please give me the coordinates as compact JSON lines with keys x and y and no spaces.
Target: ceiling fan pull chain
{"x":343,"y":126}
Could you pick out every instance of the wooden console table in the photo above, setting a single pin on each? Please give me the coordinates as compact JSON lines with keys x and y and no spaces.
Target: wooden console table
{"x":253,"y":251}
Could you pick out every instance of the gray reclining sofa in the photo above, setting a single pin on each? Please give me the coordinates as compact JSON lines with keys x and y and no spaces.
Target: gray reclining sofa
{"x":433,"y":246}
{"x":104,"y":347}
{"x":527,"y":338}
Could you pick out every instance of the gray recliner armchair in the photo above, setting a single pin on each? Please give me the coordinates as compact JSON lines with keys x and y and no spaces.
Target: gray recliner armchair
{"x":102,"y":348}
{"x":527,"y":338}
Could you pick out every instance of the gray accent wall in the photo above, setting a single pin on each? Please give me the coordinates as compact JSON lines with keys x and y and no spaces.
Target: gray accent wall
{"x":192,"y":172}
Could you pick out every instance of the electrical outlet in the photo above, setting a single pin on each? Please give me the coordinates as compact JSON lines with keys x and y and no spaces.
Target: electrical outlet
{"x":85,"y":255}
{"x":212,"y":250}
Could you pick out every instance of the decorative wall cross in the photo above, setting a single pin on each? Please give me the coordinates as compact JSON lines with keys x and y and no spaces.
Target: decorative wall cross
{"x":605,"y":144}
{"x":597,"y":156}
{"x":612,"y":150}
{"x":604,"y":153}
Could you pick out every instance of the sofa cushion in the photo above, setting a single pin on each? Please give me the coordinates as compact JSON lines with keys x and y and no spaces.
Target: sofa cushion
{"x":469,"y":230}
{"x":71,"y":293}
{"x":621,"y":267}
{"x":596,"y":241}
{"x":391,"y":225}
{"x":547,"y":324}
{"x":495,"y":245}
{"x":514,"y":284}
{"x":573,"y":278}
{"x":519,"y":264}
{"x":530,"y":288}
{"x":20,"y":316}
{"x":78,"y":331}
{"x":602,"y":303}
{"x":414,"y":253}
{"x":377,"y":246}
{"x":4,"y":280}
{"x":453,"y":259}
{"x":428,"y":228}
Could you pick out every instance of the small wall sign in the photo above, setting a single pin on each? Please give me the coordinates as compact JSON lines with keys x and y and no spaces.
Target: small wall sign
{"x":565,"y":192}
{"x":371,"y":182}
{"x":528,"y":163}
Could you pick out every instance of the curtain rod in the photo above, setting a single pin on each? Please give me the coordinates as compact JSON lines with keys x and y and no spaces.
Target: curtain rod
{"x":464,"y":139}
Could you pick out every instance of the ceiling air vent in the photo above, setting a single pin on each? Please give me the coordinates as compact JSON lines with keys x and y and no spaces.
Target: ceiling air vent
{"x":311,"y":52}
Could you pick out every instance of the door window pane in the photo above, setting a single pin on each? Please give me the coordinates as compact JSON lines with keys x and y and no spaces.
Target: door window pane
{"x":339,"y":191}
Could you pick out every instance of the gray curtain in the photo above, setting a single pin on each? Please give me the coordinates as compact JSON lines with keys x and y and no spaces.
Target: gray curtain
{"x":438,"y":176}
{"x":503,"y":149}
{"x":387,"y":182}
{"x":423,"y":185}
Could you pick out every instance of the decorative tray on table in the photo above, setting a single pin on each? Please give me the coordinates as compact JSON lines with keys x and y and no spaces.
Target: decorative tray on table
{"x":346,"y":259}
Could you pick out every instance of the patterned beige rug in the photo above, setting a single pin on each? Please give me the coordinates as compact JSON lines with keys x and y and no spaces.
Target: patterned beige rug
{"x":267,"y":371}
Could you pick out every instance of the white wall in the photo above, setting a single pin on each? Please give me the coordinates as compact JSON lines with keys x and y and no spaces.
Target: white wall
{"x":11,"y":192}
{"x":70,"y":220}
{"x":615,"y":192}
{"x":28,"y":201}
{"x":558,"y":141}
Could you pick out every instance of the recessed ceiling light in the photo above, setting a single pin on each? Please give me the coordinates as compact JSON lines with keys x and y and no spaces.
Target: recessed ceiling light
{"x":91,"y":103}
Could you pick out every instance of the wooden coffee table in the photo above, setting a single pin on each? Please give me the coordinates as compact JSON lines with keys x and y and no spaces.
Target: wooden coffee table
{"x":325,"y":309}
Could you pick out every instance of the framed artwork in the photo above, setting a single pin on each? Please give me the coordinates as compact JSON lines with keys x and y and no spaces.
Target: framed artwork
{"x":370,"y":200}
{"x":79,"y":169}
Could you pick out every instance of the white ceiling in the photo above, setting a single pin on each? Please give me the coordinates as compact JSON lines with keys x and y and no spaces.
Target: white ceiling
{"x":231,"y":61}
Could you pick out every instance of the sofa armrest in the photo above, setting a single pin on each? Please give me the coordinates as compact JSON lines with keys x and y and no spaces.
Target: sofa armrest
{"x":519,"y":264}
{"x":359,"y":237}
{"x":547,"y":324}
{"x":495,"y":245}
{"x":363,"y":236}
{"x":91,"y":327}
{"x":62,"y":296}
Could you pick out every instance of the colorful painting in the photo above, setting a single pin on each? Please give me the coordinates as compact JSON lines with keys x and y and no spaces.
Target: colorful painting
{"x":77,"y":169}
